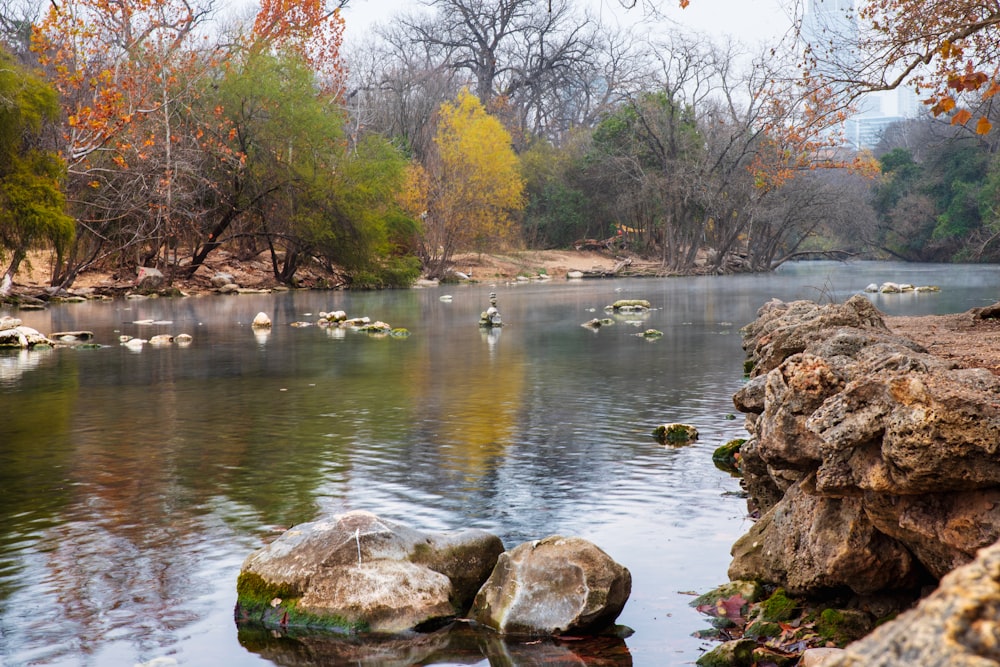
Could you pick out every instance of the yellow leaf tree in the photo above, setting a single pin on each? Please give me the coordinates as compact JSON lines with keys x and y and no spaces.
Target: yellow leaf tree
{"x":473,"y":183}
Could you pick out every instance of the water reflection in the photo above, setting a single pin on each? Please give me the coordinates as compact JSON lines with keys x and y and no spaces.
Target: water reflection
{"x":457,"y":645}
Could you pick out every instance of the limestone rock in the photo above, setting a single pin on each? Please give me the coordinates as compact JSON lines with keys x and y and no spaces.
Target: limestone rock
{"x":559,"y":585}
{"x":261,"y":321}
{"x":675,"y":433}
{"x":221,"y":279}
{"x":810,"y":543}
{"x":358,"y":572}
{"x":149,"y":279}
{"x":861,"y":439}
{"x":22,"y":337}
{"x":956,"y":626}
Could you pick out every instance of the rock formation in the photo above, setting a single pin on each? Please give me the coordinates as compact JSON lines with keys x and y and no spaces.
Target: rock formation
{"x":873,"y":465}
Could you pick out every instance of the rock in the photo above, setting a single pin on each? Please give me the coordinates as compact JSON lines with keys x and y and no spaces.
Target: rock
{"x":358,"y":572}
{"x":69,"y":336}
{"x":261,"y":321}
{"x":956,"y":626}
{"x":598,"y":323}
{"x":872,"y":287}
{"x":183,"y":339}
{"x":221,"y":280}
{"x":574,"y":275}
{"x":7,"y":323}
{"x":675,"y":433}
{"x":734,"y":653}
{"x":161,"y":339}
{"x":727,"y":457}
{"x":651,"y":333}
{"x":229,"y":288}
{"x":810,"y":544}
{"x":629,"y":306}
{"x":149,"y":279}
{"x":874,"y":464}
{"x":22,"y":337}
{"x":558,"y":585}
{"x":819,"y":657}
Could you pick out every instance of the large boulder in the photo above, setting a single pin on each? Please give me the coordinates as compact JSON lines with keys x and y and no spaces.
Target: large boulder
{"x":361,"y":573}
{"x":558,"y":585}
{"x":956,"y":626}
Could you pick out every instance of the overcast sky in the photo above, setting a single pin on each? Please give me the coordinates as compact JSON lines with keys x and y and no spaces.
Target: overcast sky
{"x":750,"y":21}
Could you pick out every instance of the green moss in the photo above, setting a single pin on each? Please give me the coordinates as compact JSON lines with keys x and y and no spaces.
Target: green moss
{"x":275,"y":606}
{"x":779,"y":607}
{"x":748,"y":366}
{"x":675,"y":433}
{"x":726,"y":457}
{"x":251,"y":587}
{"x":759,"y":629}
{"x":842,"y":626}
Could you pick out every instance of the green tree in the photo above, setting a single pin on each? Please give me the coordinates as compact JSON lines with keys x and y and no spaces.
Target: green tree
{"x":284,"y":172}
{"x":32,"y":205}
{"x":473,"y":184}
{"x":559,"y":209}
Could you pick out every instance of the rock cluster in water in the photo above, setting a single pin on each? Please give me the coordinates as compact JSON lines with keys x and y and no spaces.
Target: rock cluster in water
{"x":357,"y":572}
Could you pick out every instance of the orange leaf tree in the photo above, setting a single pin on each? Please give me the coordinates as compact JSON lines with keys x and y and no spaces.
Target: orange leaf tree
{"x":125,"y":72}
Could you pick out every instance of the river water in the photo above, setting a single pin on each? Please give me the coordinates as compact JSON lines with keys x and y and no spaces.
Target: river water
{"x":134,"y":483}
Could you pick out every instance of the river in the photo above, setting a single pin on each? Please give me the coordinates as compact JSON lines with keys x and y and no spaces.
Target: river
{"x":134,"y":483}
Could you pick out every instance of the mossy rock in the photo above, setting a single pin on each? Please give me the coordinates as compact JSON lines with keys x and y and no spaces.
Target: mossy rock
{"x":630,"y":305}
{"x":726,"y":457}
{"x":748,"y":366}
{"x":399,"y":332}
{"x":652,"y":333}
{"x":842,"y":626}
{"x":735,"y":653}
{"x":762,"y":655}
{"x":276,"y":606}
{"x":749,"y":590}
{"x":779,"y":607}
{"x":675,"y":434}
{"x":762,"y":629}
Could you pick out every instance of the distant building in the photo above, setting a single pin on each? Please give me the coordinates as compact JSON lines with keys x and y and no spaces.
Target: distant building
{"x":830,"y":29}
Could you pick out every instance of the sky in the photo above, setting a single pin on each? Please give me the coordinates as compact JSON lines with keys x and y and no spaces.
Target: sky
{"x":750,"y":21}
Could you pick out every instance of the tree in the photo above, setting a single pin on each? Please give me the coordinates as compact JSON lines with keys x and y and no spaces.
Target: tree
{"x":472,"y":181}
{"x":32,"y":205}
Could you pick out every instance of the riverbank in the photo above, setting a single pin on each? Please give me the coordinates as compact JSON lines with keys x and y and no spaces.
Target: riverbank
{"x":32,"y":279}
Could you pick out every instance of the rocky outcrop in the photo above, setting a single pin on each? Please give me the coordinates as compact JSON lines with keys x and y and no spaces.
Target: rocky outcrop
{"x":873,"y":465}
{"x":358,"y":572}
{"x":956,"y":626}
{"x":559,"y":585}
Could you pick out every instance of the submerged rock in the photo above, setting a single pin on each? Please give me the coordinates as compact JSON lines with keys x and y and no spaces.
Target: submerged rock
{"x":555,"y":586}
{"x":360,"y":573}
{"x":675,"y":433}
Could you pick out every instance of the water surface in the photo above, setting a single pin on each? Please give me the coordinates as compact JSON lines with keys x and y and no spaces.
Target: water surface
{"x":134,"y":483}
